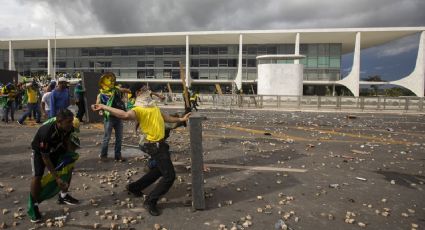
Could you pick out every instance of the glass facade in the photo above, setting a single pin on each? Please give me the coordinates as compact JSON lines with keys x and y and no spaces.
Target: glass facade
{"x":217,"y":62}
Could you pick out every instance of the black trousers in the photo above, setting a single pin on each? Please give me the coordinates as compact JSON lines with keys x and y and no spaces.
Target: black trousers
{"x":165,"y":169}
{"x":194,"y":104}
{"x":81,"y":110}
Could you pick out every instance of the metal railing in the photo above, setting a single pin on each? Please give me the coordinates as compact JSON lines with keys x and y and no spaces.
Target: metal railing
{"x":406,"y":104}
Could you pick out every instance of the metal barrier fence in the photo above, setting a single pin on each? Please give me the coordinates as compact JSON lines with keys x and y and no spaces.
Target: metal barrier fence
{"x":406,"y":104}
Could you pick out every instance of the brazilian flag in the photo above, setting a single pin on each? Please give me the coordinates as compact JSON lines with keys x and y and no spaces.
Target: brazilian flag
{"x":107,"y":97}
{"x":3,"y":101}
{"x":49,"y":187}
{"x":130,"y":103}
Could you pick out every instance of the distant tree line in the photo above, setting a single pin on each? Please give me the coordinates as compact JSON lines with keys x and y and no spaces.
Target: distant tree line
{"x":390,"y":92}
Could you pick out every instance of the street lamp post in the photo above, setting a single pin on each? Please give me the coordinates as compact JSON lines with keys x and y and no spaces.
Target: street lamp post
{"x":54,"y":65}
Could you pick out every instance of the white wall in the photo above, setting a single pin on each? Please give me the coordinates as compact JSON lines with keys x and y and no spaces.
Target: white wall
{"x":280,"y":79}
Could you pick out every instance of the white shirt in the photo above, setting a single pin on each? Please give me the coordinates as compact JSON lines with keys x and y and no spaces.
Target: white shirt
{"x":47,"y":101}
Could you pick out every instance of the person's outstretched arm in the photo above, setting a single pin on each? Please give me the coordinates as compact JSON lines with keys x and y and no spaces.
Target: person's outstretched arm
{"x":162,"y":97}
{"x":124,"y":90}
{"x":121,"y":114}
{"x":170,"y":119}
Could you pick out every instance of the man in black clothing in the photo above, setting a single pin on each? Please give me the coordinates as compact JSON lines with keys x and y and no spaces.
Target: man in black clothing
{"x":79,"y":100}
{"x":49,"y":143}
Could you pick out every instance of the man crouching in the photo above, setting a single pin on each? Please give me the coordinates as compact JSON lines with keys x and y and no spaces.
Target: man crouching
{"x":51,"y":148}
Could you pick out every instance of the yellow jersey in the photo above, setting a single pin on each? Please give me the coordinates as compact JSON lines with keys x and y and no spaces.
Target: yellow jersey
{"x":32,"y":95}
{"x":151,"y":122}
{"x":11,"y":93}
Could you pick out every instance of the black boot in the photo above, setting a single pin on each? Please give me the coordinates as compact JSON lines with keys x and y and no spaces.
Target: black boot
{"x":151,"y":208}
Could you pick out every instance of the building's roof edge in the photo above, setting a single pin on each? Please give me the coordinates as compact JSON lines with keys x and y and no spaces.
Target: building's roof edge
{"x":225,"y":32}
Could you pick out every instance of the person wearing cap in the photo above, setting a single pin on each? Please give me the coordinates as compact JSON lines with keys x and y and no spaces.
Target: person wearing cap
{"x":112,"y":95}
{"x":33,"y":95}
{"x":60,"y":97}
{"x":152,"y":125}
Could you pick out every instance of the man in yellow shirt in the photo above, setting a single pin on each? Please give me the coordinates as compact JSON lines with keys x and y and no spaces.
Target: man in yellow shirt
{"x":9,"y":91}
{"x":194,"y":100}
{"x":151,"y":121}
{"x":33,"y":95}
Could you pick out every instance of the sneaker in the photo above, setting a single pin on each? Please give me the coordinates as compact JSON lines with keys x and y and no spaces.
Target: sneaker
{"x":151,"y":208}
{"x":133,"y":192}
{"x":120,"y":159}
{"x":103,"y":158}
{"x":37,"y":216}
{"x":68,"y":199}
{"x":21,"y":123}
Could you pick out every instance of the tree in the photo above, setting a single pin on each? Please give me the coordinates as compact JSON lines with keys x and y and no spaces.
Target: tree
{"x":374,"y":78}
{"x":398,"y":91}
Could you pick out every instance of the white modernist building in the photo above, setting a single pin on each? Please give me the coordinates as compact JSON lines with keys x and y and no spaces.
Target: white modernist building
{"x":215,"y":57}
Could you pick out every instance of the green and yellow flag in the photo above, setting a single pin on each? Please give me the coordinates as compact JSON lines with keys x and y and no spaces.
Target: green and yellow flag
{"x":49,"y":187}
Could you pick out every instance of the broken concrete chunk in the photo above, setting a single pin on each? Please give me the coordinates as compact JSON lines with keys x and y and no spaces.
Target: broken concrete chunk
{"x":411,"y":210}
{"x":334,"y":186}
{"x":114,"y":226}
{"x":385,"y":214}
{"x":157,"y":226}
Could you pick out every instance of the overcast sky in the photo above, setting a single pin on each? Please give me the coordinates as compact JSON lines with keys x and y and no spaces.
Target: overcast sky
{"x":35,"y":18}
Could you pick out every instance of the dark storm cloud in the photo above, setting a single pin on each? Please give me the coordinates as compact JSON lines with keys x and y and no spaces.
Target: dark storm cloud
{"x":132,"y":16}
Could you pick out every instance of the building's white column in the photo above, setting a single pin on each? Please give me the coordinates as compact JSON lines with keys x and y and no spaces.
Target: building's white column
{"x":297,"y":48}
{"x":353,"y":79}
{"x":54,"y":58}
{"x":11,"y":57}
{"x":188,"y":78}
{"x":238,"y":79}
{"x":49,"y":60}
{"x":415,"y":81}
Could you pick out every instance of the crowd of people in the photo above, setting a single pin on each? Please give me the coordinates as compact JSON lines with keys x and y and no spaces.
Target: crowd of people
{"x":39,"y":100}
{"x":56,"y":140}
